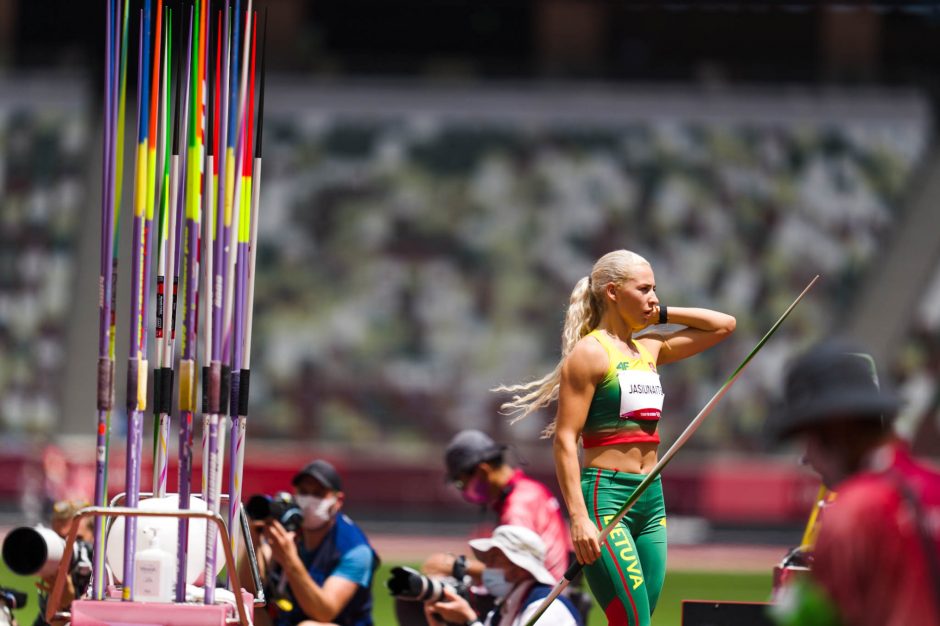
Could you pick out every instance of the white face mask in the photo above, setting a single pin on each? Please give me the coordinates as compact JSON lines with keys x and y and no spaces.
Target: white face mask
{"x":494,"y":579}
{"x":317,"y":511}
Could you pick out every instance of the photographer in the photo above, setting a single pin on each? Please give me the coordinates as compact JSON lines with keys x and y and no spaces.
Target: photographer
{"x":514,"y":572}
{"x":321,"y":573}
{"x":63,"y":513}
{"x":476,"y":466}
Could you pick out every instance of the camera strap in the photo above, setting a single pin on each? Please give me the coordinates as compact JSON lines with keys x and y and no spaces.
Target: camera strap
{"x":928,"y":544}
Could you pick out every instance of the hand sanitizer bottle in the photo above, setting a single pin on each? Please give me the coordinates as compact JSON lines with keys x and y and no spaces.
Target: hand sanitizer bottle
{"x":153,"y":571}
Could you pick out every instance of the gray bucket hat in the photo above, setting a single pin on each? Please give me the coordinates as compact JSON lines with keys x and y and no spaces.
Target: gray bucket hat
{"x":835,"y":380}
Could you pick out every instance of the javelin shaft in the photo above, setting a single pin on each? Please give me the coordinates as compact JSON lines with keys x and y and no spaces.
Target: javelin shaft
{"x":237,"y":436}
{"x":151,"y":187}
{"x":210,"y":181}
{"x":120,"y":25}
{"x":217,"y":422}
{"x":572,"y":571}
{"x":150,"y":170}
{"x":105,"y":363}
{"x":255,"y":203}
{"x":236,"y":203}
{"x":137,"y":366}
{"x":240,"y":233}
{"x":178,"y":195}
{"x":163,"y":383}
{"x":121,"y":106}
{"x":217,"y":375}
{"x":222,"y":163}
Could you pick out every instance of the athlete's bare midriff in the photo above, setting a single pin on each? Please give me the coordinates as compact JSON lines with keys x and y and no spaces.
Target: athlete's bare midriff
{"x":632,"y":458}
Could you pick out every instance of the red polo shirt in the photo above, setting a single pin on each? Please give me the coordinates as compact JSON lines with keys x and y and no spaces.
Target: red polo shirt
{"x":527,"y":502}
{"x":869,"y":556}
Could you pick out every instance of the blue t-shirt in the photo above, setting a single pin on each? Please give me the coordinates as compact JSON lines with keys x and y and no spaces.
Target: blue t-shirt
{"x":345,"y":552}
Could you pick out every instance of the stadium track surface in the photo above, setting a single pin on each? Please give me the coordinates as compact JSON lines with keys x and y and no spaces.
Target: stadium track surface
{"x":396,"y":548}
{"x":706,"y":557}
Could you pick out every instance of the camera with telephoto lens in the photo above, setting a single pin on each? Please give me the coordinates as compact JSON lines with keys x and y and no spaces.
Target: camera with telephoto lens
{"x":409,"y":584}
{"x":281,"y":507}
{"x":37,"y":550}
{"x":12,"y":598}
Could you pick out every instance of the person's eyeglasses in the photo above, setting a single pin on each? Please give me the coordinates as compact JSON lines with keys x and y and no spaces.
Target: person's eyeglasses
{"x":463,"y":479}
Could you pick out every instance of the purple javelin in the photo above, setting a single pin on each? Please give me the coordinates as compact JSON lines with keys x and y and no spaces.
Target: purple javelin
{"x":218,"y":254}
{"x":105,"y":364}
{"x":243,"y":305}
{"x":135,"y":368}
{"x":230,"y":231}
{"x":186,"y":414}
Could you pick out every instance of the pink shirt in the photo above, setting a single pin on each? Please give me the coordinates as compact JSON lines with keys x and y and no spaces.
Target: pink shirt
{"x":869,"y":555}
{"x":527,"y":502}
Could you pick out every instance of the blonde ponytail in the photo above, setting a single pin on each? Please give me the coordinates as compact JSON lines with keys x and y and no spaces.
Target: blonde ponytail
{"x":585,"y":308}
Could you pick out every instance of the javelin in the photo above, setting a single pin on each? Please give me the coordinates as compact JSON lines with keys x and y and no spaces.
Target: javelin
{"x":149,"y":175}
{"x":105,"y":377}
{"x":213,"y":376}
{"x":572,"y":571}
{"x":163,"y":371}
{"x":241,"y":337}
{"x":230,"y":377}
{"x":137,"y":358}
{"x":177,"y":193}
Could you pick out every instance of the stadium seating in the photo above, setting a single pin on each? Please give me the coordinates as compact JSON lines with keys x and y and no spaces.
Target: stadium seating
{"x":411,"y":260}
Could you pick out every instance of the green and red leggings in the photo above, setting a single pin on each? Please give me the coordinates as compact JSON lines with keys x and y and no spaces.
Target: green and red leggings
{"x":627,"y":578}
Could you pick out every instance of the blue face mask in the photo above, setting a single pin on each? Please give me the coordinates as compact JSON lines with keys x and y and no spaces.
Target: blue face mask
{"x":494,"y":579}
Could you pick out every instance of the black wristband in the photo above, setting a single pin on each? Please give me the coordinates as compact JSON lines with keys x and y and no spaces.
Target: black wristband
{"x":460,"y":567}
{"x":663,"y":314}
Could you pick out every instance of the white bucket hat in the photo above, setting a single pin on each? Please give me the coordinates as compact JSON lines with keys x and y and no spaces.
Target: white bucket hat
{"x":522,"y":546}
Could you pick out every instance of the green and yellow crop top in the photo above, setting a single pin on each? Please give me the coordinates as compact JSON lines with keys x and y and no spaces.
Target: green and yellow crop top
{"x":628,"y":401}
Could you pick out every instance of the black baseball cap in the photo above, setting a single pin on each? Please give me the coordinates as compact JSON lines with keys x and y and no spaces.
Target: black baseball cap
{"x":321,"y":471}
{"x":468,"y":449}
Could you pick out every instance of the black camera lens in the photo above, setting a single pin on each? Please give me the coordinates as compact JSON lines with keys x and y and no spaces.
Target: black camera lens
{"x":258,"y":507}
{"x":409,"y":584}
{"x":281,"y":507}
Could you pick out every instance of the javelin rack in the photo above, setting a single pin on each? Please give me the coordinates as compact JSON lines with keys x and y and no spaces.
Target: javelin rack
{"x":197,"y":614}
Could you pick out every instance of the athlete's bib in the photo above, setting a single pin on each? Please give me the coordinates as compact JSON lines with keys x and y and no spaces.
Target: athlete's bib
{"x":641,"y":395}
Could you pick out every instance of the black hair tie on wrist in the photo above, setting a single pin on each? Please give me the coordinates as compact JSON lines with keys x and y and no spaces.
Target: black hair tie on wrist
{"x":663,"y":314}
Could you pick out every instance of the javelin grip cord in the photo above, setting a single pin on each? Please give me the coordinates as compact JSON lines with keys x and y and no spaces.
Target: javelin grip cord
{"x":572,"y":571}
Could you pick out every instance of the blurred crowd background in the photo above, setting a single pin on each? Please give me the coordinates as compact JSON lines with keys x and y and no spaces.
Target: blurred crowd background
{"x":438,"y":175}
{"x":413,"y":262}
